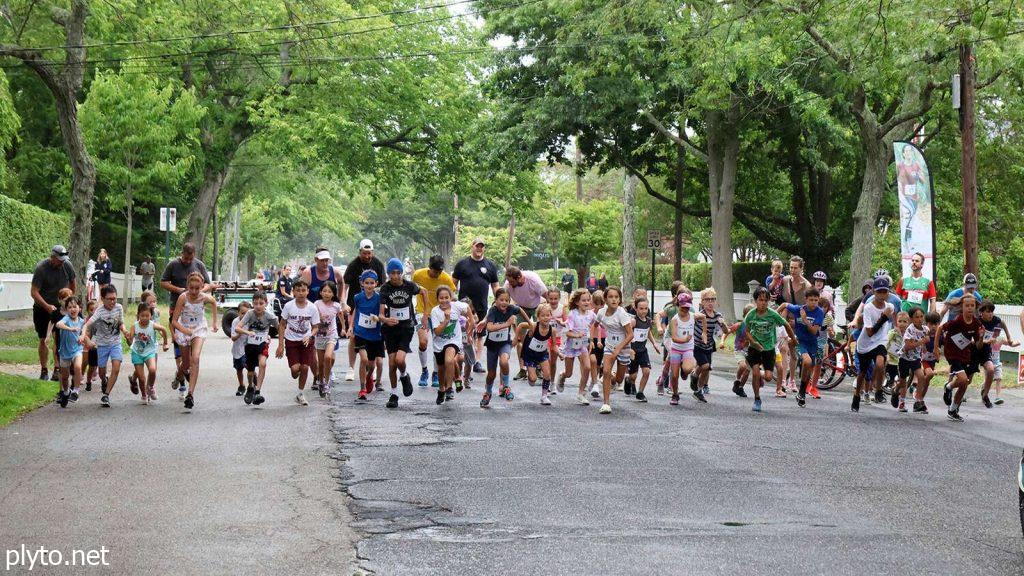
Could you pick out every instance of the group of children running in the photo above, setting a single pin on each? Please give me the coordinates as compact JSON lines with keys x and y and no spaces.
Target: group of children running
{"x":604,"y":337}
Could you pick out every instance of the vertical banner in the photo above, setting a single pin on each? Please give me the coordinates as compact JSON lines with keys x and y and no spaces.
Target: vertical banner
{"x":917,"y":213}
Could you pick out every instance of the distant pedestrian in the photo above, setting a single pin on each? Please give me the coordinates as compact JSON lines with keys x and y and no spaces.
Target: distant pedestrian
{"x":148,"y":270}
{"x":103,"y":269}
{"x":567,"y":280}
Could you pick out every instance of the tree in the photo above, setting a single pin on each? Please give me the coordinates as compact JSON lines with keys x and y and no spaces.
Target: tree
{"x":587,"y":232}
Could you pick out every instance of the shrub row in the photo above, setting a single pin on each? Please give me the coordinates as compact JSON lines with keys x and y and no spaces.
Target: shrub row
{"x":27,"y":234}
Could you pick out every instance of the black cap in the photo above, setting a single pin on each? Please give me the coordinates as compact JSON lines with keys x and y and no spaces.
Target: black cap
{"x":436,"y":262}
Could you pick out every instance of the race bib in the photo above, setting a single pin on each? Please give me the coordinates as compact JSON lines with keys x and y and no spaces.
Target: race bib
{"x":400,"y":313}
{"x":191,"y":319}
{"x":961,"y":341}
{"x":577,"y":343}
{"x":613,"y":340}
{"x":640,"y":334}
{"x":259,"y":339}
{"x":499,"y":336}
{"x":989,"y":334}
{"x":538,"y":345}
{"x":367,"y":321}
{"x":915,"y":296}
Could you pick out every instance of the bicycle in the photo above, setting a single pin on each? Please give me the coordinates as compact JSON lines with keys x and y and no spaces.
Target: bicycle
{"x":837,"y":363}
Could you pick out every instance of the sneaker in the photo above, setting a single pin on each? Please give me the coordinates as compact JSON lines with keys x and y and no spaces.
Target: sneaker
{"x":986,"y":401}
{"x":954,"y":415}
{"x":581,"y":399}
{"x":133,"y":384}
{"x":258,"y":399}
{"x":249,"y":393}
{"x":190,"y":402}
{"x":855,"y":407}
{"x":73,"y":396}
{"x":674,"y":401}
{"x":879,"y":397}
{"x":478,"y":368}
{"x":321,"y":389}
{"x":561,"y":383}
{"x":316,"y":385}
{"x":485,"y":402}
{"x":55,"y":375}
{"x":920,"y":408}
{"x":999,"y":401}
{"x":43,"y":374}
{"x":605,"y":409}
{"x":350,"y":376}
{"x":105,"y":401}
{"x":240,"y":391}
{"x":406,"y":385}
{"x":593,"y":392}
{"x":661,"y":389}
{"x":757,"y":405}
{"x":700,"y":396}
{"x":392,"y":401}
{"x":152,"y":392}
{"x":813,"y":391}
{"x":737,"y":389}
{"x":801,"y":400}
{"x":521,"y":375}
{"x":440,"y":397}
{"x":458,"y":385}
{"x":894,"y":400}
{"x":62,"y":399}
{"x":300,"y":399}
{"x":544,"y":401}
{"x":377,"y":386}
{"x":693,"y":383}
{"x":506,"y":393}
{"x":424,"y":377}
{"x":780,"y":393}
{"x":182,"y":391}
{"x":361,"y":397}
{"x":88,"y":387}
{"x":640,"y":397}
{"x":325,"y":389}
{"x":706,"y":390}
{"x":947,"y":395}
{"x":902,"y":406}
{"x":434,"y":380}
{"x":449,"y":395}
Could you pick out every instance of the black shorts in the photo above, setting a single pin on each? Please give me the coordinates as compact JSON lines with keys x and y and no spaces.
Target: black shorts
{"x":892,"y":371}
{"x":908,"y":367}
{"x":94,"y":358}
{"x":702,"y":356}
{"x":971,"y":368}
{"x":766,"y":358}
{"x":44,"y":321}
{"x":398,"y":339}
{"x":597,"y":351}
{"x":374,"y":348}
{"x":869,"y":356}
{"x":439,"y":356}
{"x":253,"y":353}
{"x":641,"y":359}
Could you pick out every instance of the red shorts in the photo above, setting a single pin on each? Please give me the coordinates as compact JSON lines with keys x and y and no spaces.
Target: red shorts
{"x":299,"y":353}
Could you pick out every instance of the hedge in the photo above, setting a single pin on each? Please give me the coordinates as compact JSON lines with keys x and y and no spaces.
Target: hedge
{"x":28,"y":234}
{"x":695,"y":276}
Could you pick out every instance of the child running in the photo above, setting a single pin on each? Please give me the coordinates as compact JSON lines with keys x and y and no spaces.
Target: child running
{"x":295,"y":336}
{"x":871,"y":318}
{"x":106,"y":327}
{"x":894,"y":348}
{"x":447,"y":336}
{"x":538,"y":343}
{"x":915,"y":336}
{"x":618,"y":326}
{"x":329,"y":307}
{"x":577,"y":337}
{"x":238,"y":340}
{"x":256,"y":326}
{"x":995,"y":336}
{"x":644,"y":331}
{"x":143,"y":338}
{"x":681,"y":357}
{"x":499,"y":324}
{"x":92,"y":357}
{"x":707,"y":323}
{"x":369,"y":342}
{"x":597,"y":336}
{"x":398,"y":316}
{"x":759,"y":325}
{"x":928,"y":360}
{"x":554,"y":301}
{"x":809,"y":320}
{"x":740,"y":346}
{"x":190,"y":330}
{"x":69,"y":350}
{"x":964,"y":338}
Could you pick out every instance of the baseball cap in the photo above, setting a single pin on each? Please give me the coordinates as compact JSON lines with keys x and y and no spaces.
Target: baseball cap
{"x":685,"y":300}
{"x":365,"y":244}
{"x":479,"y":240}
{"x":61,"y":251}
{"x":368,"y":274}
{"x":323,"y":255}
{"x":436,"y":262}
{"x":970,"y":280}
{"x":881,"y":284}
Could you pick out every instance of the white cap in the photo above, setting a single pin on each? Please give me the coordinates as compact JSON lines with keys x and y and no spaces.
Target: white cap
{"x":323,"y":255}
{"x":365,"y":244}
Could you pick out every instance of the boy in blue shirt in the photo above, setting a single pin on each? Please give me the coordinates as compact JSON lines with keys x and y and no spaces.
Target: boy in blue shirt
{"x":808,"y":320}
{"x":369,"y":342}
{"x":69,"y":350}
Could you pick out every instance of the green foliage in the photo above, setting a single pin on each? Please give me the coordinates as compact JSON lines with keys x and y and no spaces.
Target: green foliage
{"x":28,"y":234}
{"x":588,"y":231}
{"x":694,"y":276}
{"x":19,"y":395}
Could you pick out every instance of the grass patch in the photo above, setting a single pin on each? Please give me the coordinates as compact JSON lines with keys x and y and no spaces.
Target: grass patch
{"x":19,"y":395}
{"x":19,"y":356}
{"x":25,"y":338}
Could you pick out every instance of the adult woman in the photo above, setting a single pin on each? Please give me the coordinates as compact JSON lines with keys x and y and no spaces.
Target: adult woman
{"x":283,"y":288}
{"x":103,"y":267}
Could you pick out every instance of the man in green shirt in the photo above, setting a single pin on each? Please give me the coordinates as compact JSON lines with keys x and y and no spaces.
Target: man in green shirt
{"x":760,"y":325}
{"x":915,"y":290}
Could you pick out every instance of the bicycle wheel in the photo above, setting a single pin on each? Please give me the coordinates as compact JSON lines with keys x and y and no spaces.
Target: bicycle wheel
{"x":833,"y":367}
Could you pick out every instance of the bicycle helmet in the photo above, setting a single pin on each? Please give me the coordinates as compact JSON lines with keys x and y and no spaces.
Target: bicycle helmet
{"x":820,"y":275}
{"x":881,"y":272}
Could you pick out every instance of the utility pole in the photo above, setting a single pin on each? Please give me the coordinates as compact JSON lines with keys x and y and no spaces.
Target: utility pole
{"x":968,"y":153}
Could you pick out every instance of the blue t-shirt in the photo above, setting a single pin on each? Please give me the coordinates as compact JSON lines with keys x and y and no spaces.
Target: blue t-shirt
{"x":803,"y":334}
{"x":893,"y":299}
{"x":959,"y":293}
{"x":365,"y":307}
{"x":69,"y":346}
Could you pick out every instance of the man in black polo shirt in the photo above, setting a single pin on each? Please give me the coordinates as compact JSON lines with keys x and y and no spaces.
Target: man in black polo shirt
{"x":50,"y":276}
{"x":476,"y":277}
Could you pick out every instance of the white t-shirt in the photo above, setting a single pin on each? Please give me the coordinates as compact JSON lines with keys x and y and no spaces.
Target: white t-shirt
{"x":299,"y":321}
{"x":452,"y":333}
{"x":870,"y":314}
{"x":238,"y":346}
{"x":615,"y":325}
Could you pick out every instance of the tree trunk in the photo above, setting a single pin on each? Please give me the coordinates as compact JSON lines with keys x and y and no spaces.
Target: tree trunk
{"x":865,"y":217}
{"x":128,"y":284}
{"x":83,"y":183}
{"x":723,"y":159}
{"x":629,"y":233}
{"x":214,"y":181}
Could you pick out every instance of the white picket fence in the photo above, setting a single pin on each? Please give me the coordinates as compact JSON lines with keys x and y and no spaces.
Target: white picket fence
{"x":16,"y":295}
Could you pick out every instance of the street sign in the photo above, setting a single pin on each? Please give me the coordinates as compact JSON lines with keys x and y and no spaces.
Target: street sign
{"x":168,"y":219}
{"x":654,"y":239}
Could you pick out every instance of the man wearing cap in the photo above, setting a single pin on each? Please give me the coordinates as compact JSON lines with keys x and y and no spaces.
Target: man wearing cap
{"x":361,"y":263}
{"x":916,"y":290}
{"x":429,"y":279}
{"x":954,"y":300}
{"x":476,"y":278}
{"x":315,"y":277}
{"x":50,"y":276}
{"x":527,"y":291}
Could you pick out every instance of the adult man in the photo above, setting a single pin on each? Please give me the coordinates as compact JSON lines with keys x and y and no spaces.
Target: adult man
{"x":364,"y":261}
{"x":476,"y":277}
{"x":148,"y":270}
{"x":175,"y":277}
{"x":315,"y":277}
{"x":567,"y":280}
{"x":50,"y":276}
{"x":794,"y":290}
{"x":527,"y":291}
{"x":429,"y":279}
{"x":954,"y":300}
{"x":915,"y":290}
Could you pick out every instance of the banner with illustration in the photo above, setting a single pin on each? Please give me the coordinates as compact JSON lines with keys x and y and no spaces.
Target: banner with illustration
{"x":917,"y":207}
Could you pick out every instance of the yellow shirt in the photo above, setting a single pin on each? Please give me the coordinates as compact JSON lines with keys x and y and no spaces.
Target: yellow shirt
{"x":429,"y":287}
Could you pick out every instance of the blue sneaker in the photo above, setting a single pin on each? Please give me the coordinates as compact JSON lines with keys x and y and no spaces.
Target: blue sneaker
{"x":757,"y":405}
{"x":434,"y":381}
{"x":423,"y":379}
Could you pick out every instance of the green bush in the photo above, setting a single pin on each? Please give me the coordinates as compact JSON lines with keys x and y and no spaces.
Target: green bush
{"x":28,"y":233}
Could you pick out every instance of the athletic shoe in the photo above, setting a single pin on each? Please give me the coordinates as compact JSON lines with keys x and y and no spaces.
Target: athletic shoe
{"x":521,"y":375}
{"x":506,"y":393}
{"x":378,"y":386}
{"x":249,"y":393}
{"x":134,"y":384}
{"x":894,"y":400}
{"x":449,"y":395}
{"x":316,"y":385}
{"x":674,"y":401}
{"x":856,"y":403}
{"x":182,"y":391}
{"x":801,"y":400}
{"x":954,"y":415}
{"x":700,"y":397}
{"x":903,"y":406}
{"x":757,"y":405}
{"x":321,"y":390}
{"x":325,"y":389}
{"x":544,"y":401}
{"x":190,"y":402}
{"x":593,"y":392}
{"x":43,"y":374}
{"x":947,"y":395}
{"x":73,"y":396}
{"x":62,"y":399}
{"x":986,"y":401}
{"x":640,"y":397}
{"x":88,"y":386}
{"x":561,"y":383}
{"x":361,"y":397}
{"x":152,"y":392}
{"x":485,"y":402}
{"x":581,"y":399}
{"x":258,"y":399}
{"x":706,"y":390}
{"x":813,"y":391}
{"x":999,"y":401}
{"x":920,"y":408}
{"x":434,"y":381}
{"x":350,"y":376}
{"x":392,"y":401}
{"x":661,"y":389}
{"x":605,"y":409}
{"x":780,"y":393}
{"x":105,"y":401}
{"x":879,"y":397}
{"x":300,"y":399}
{"x":478,"y":368}
{"x":737,"y":389}
{"x":693,"y":383}
{"x":240,"y":391}
{"x":458,"y":385}
{"x":406,"y":385}
{"x":175,"y":383}
{"x":424,"y":377}
{"x":55,"y":375}
{"x":440,"y":397}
